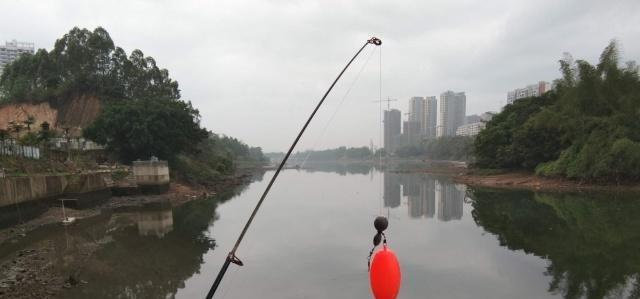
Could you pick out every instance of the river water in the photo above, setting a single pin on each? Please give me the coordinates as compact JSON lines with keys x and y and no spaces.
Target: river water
{"x":313,"y":234}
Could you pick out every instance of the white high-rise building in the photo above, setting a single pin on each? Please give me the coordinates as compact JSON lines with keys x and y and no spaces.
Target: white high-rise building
{"x":415,"y":120}
{"x":452,"y":112}
{"x":430,"y":117}
{"x":416,"y":109}
{"x":12,"y":50}
{"x":533,"y":90}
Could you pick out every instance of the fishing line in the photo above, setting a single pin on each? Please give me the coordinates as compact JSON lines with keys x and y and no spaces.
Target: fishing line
{"x":231,"y":257}
{"x":324,"y":130}
{"x":380,"y":144}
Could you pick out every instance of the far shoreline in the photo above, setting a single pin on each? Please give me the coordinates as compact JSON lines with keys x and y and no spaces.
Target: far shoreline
{"x":517,"y":179}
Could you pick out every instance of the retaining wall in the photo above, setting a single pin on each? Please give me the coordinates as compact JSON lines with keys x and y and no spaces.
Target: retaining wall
{"x":16,"y":190}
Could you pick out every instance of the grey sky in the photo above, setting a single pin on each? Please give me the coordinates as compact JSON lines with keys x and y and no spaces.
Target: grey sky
{"x":255,"y":69}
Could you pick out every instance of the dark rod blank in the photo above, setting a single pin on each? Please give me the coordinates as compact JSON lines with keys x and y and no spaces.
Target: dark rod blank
{"x":231,"y":257}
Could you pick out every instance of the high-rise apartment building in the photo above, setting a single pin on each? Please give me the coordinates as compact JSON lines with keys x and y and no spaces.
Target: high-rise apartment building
{"x":392,"y":129}
{"x":415,"y":120}
{"x":416,"y":109}
{"x":533,"y":90}
{"x":12,"y":50}
{"x":430,"y":115}
{"x":452,"y":112}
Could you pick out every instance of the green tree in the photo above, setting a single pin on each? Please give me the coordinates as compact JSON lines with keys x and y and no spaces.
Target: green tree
{"x":457,"y":148}
{"x":85,"y":62}
{"x":139,"y":129}
{"x":584,"y":129}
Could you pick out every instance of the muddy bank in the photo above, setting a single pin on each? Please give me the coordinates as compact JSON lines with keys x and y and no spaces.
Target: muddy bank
{"x":30,"y":262}
{"x":524,"y":180}
{"x":517,"y":180}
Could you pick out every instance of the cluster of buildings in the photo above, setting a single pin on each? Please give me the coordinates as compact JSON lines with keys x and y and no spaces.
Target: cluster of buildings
{"x":533,"y":90}
{"x":429,"y":118}
{"x":12,"y":50}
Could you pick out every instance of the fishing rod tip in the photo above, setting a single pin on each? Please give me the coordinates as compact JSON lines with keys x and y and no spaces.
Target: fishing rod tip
{"x":376,"y":41}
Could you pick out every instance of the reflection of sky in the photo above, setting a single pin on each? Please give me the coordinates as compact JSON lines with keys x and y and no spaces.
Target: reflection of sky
{"x":312,"y":236}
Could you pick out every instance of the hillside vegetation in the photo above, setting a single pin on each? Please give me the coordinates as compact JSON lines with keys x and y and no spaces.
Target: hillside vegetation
{"x":587,"y":128}
{"x":455,"y":148}
{"x":142,"y":114}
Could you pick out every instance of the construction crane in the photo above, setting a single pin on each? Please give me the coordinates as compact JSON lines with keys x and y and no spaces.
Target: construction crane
{"x":388,"y":100}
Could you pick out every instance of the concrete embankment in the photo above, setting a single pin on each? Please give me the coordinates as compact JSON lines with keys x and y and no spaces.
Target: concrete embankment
{"x":18,"y":190}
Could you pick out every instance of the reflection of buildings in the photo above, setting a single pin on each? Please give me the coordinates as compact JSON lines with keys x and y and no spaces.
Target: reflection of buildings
{"x":421,"y":202}
{"x":449,"y":200}
{"x":426,"y":196}
{"x":151,"y":221}
{"x":391,"y":190}
{"x":155,"y":223}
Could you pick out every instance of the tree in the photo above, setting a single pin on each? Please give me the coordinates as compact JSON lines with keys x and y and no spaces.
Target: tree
{"x":16,"y":127}
{"x":85,"y":62}
{"x":4,"y":134}
{"x":45,"y":132}
{"x":29,"y":121}
{"x":585,"y":129}
{"x":140,"y":129}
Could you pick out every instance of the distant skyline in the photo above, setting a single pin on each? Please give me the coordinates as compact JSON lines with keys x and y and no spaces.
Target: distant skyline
{"x":255,"y":69}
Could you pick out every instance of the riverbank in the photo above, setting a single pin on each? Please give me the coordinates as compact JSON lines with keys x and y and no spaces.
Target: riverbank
{"x":530,"y":181}
{"x":28,"y":271}
{"x":517,"y":179}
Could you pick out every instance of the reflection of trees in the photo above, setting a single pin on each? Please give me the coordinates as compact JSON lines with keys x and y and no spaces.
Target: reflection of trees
{"x":134,"y":266}
{"x":592,"y":243}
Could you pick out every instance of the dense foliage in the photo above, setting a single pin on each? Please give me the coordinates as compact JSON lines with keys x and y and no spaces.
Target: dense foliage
{"x":587,"y":128}
{"x":339,"y":153}
{"x":215,"y":157}
{"x":85,"y":62}
{"x":139,"y":129}
{"x":456,"y":148}
{"x":142,"y":114}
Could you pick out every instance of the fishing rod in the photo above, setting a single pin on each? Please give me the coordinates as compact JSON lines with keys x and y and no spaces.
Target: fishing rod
{"x":231,"y":257}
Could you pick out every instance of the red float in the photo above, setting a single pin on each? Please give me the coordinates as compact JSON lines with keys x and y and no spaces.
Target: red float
{"x":385,"y":274}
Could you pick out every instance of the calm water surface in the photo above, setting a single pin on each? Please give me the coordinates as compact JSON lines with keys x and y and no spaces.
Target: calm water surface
{"x":312,"y":236}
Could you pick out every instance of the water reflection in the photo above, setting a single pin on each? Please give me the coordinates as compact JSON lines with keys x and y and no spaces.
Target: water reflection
{"x":151,"y":220}
{"x":150,"y":267}
{"x":592,"y":242}
{"x":143,"y":252}
{"x":535,"y":245}
{"x":425,"y":195}
{"x":364,"y":167}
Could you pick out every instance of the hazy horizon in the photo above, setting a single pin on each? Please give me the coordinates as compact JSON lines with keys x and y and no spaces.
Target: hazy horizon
{"x":256,"y":69}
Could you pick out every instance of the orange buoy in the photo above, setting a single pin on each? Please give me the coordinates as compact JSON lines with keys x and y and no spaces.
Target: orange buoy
{"x":385,"y":274}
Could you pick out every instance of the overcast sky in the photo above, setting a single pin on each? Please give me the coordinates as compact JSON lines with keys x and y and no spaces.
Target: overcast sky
{"x":255,"y":69}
